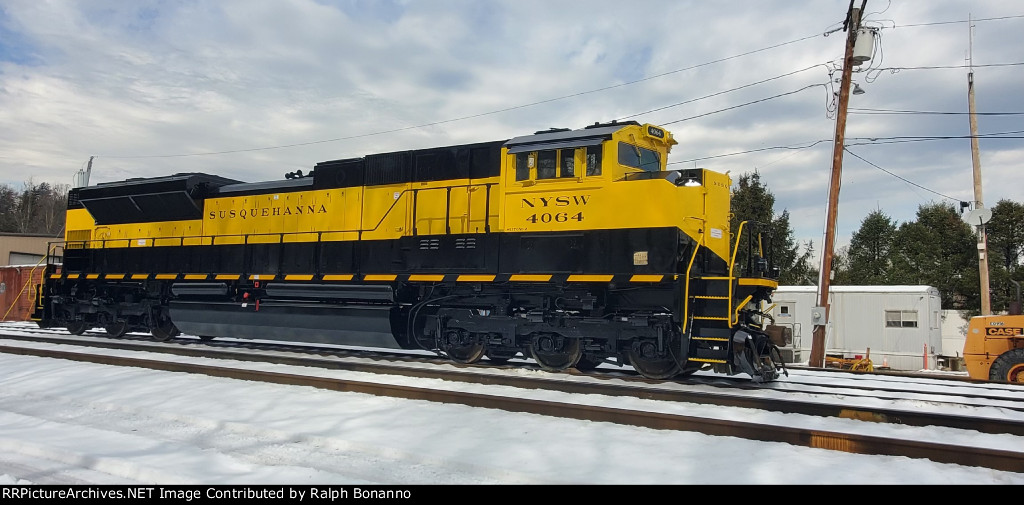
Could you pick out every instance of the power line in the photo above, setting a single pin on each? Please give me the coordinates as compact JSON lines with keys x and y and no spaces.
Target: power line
{"x":745,"y":104}
{"x":898,"y":111}
{"x":946,"y":67}
{"x":904,"y":139}
{"x":963,"y":21}
{"x":773,"y":148}
{"x":872,"y":141}
{"x":720,"y":92}
{"x":899,"y":177}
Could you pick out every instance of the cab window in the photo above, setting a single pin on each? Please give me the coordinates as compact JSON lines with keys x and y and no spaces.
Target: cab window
{"x":594,"y":160}
{"x":639,"y":157}
{"x":555,"y":164}
{"x":567,"y":167}
{"x":547,"y":164}
{"x":524,"y":161}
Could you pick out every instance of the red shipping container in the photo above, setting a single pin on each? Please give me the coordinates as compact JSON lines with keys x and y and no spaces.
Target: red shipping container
{"x":18,"y":296}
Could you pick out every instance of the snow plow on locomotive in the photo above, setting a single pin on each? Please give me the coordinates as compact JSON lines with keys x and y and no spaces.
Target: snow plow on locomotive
{"x":571,"y":247}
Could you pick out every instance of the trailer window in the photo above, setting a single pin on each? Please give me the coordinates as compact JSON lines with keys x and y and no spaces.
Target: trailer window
{"x":901,"y":319}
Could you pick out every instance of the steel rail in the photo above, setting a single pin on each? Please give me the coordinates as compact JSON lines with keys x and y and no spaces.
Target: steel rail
{"x":635,"y":387}
{"x":852,"y":443}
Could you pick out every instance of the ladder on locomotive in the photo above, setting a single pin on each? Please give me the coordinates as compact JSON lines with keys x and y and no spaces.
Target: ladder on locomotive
{"x":713,"y":313}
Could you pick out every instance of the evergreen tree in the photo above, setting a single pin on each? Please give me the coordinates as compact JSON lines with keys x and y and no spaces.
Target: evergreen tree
{"x":753,"y":202}
{"x":8,"y":206}
{"x":1006,"y":251}
{"x":938,"y":249}
{"x":869,"y":256}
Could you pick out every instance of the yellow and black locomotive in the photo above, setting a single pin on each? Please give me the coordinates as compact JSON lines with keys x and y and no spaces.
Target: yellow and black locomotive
{"x":571,"y":247}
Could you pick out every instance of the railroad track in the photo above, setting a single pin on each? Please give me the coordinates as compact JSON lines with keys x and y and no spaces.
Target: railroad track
{"x":854,"y":384}
{"x":627,"y":387}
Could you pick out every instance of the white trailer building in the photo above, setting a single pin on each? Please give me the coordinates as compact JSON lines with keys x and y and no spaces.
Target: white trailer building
{"x":901,"y":325}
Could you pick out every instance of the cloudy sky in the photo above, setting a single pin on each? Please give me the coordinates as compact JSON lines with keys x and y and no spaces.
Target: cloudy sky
{"x":253,"y":89}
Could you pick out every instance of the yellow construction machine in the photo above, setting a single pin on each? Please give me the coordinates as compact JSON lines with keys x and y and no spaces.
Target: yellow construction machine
{"x":994,"y":349}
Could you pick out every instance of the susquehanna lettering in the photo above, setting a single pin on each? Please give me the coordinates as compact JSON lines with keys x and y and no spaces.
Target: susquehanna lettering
{"x":267,"y":212}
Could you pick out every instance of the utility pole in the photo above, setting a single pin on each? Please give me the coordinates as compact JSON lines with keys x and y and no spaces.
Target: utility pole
{"x":986,"y":303}
{"x":820,"y":315}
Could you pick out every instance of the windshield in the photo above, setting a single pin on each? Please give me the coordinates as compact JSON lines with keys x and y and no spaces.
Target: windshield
{"x":639,"y":157}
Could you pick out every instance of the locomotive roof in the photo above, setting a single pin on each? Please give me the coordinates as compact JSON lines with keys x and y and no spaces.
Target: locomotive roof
{"x":557,"y":139}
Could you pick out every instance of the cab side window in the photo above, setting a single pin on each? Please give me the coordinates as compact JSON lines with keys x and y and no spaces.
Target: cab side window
{"x":547,"y":164}
{"x":594,"y":160}
{"x":524,"y":161}
{"x":567,"y":168}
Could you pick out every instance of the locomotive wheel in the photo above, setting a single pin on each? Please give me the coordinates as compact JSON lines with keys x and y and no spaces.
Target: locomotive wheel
{"x":165,"y":331}
{"x":645,"y":359}
{"x":117,"y":329}
{"x":554,"y":352}
{"x":1008,"y":367}
{"x":462,"y":347}
{"x":77,"y":327}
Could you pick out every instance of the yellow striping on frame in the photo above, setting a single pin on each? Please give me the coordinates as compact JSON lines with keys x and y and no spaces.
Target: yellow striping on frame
{"x":744,"y":281}
{"x":338,"y":277}
{"x":195,"y":277}
{"x":140,"y":277}
{"x":590,"y":278}
{"x":166,"y":276}
{"x":475,"y":278}
{"x":55,"y":276}
{"x":261,"y":277}
{"x":114,"y":276}
{"x":227,"y":277}
{"x":379,"y":277}
{"x":298,"y":277}
{"x":92,"y":276}
{"x":429,"y":278}
{"x":72,"y":276}
{"x":529,"y":278}
{"x":646,"y":278}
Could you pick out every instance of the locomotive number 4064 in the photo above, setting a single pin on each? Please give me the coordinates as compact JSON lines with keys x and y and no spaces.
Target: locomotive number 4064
{"x":557,"y":217}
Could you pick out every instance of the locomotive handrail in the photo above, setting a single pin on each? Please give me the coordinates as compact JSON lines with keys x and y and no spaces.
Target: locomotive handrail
{"x":151,"y":241}
{"x":736,"y":311}
{"x":736,"y":250}
{"x":689,"y":267}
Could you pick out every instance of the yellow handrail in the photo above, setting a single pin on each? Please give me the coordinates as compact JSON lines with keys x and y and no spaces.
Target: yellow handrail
{"x":686,"y":296}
